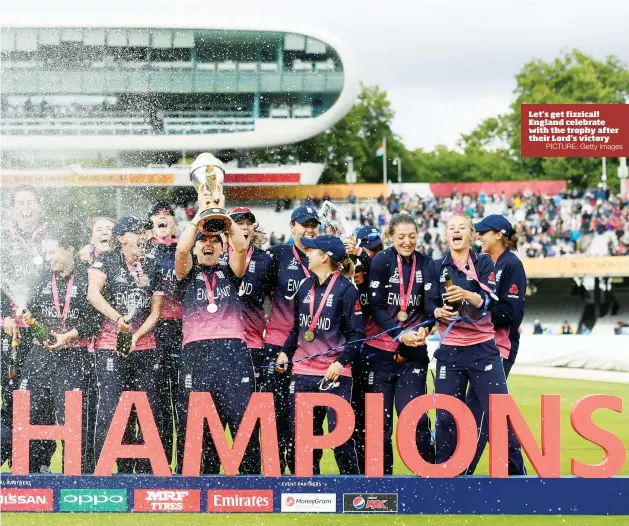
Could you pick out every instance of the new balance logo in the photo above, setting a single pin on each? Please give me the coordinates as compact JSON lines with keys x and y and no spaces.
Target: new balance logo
{"x":442,"y":372}
{"x":489,"y":367}
{"x":188,"y":381}
{"x":245,"y":380}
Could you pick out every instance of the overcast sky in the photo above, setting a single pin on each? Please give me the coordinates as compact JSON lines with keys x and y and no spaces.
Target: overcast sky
{"x":446,"y":64}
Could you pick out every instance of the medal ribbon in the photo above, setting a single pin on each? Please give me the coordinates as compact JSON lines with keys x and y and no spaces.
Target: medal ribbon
{"x":405,"y":296}
{"x":135,"y":270}
{"x":209,"y":289}
{"x":18,"y":237}
{"x":472,"y":274}
{"x":314,"y":319}
{"x":249,"y":255}
{"x":296,"y":254}
{"x":66,"y":304}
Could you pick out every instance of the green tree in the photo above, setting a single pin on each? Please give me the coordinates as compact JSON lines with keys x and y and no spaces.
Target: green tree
{"x":573,"y":77}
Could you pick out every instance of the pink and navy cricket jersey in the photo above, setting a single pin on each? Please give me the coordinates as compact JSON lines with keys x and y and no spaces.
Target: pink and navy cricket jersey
{"x":80,"y":314}
{"x":257,"y":284}
{"x":127,"y":295}
{"x":164,"y":254}
{"x":478,"y":328}
{"x":198,"y":323}
{"x":385,"y":292}
{"x":508,"y":312}
{"x":288,"y":276}
{"x":340,"y":321}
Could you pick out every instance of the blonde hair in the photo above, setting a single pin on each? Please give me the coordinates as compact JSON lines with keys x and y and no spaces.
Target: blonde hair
{"x":346,"y":267}
{"x":470,"y":224}
{"x":259,"y":237}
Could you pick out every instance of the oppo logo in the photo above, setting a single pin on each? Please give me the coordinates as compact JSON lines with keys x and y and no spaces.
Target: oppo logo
{"x":93,"y":499}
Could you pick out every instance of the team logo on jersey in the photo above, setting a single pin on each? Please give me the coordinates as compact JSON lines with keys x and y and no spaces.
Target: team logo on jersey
{"x":294,"y":265}
{"x":395,"y":278}
{"x":48,"y":290}
{"x":307,"y":298}
{"x":291,"y":388}
{"x":328,"y":302}
{"x":219,"y":274}
{"x":188,"y":381}
{"x":374,"y":284}
{"x":442,"y":278}
{"x":122,"y":277}
{"x":357,"y":306}
{"x":492,"y":278}
{"x":498,"y":275}
{"x":418,"y":277}
{"x":200,"y":277}
{"x":514,"y":289}
{"x":252,"y":266}
{"x":442,"y":372}
{"x":24,"y":384}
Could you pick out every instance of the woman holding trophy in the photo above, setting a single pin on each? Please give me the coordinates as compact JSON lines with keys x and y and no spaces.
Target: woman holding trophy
{"x":214,"y":357}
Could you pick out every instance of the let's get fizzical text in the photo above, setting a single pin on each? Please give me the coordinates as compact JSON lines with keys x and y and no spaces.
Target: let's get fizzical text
{"x":201,"y":408}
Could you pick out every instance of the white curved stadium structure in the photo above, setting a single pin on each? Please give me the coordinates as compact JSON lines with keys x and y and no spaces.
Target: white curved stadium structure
{"x":135,"y":83}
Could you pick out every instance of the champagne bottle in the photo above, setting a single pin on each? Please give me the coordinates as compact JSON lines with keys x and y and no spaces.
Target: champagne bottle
{"x":41,"y":332}
{"x":456,"y":305}
{"x":12,"y":372}
{"x":123,"y":341}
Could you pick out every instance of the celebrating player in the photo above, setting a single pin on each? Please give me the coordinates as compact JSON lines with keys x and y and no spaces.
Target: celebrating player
{"x":398,"y":367}
{"x":256,"y":285}
{"x":291,"y":268}
{"x":62,"y":363}
{"x":168,"y":335}
{"x":498,"y":239}
{"x":461,"y":283}
{"x":369,"y":244}
{"x":126,"y":288}
{"x":327,"y":316}
{"x":214,"y":356}
{"x":100,"y":239}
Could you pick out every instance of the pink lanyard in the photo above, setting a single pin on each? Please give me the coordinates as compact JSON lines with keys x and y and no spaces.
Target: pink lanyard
{"x":295,"y":253}
{"x":472,"y":274}
{"x":211,"y":307}
{"x":405,"y":296}
{"x":314,"y":319}
{"x":18,"y":237}
{"x":249,"y":255}
{"x":66,"y":304}
{"x":136,"y":271}
{"x":166,"y":241}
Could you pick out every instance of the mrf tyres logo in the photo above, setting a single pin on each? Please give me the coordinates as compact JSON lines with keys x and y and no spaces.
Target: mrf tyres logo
{"x":93,"y":500}
{"x":370,"y":503}
{"x":167,"y":500}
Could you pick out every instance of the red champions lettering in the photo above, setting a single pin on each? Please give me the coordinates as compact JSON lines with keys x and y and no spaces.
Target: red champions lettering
{"x":240,"y":501}
{"x":26,"y":500}
{"x":167,"y":500}
{"x":514,"y":289}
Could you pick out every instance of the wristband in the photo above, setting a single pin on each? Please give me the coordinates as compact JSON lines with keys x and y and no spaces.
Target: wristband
{"x":118,"y":318}
{"x":195,"y":225}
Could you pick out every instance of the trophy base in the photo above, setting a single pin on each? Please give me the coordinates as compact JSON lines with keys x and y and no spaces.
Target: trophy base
{"x":214,"y":221}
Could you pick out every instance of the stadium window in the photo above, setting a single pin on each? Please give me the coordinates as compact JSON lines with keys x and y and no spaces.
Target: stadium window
{"x":139,"y":38}
{"x":94,"y":37}
{"x":26,"y":40}
{"x":49,"y":37}
{"x":293,"y":42}
{"x":162,"y":39}
{"x":7,"y":40}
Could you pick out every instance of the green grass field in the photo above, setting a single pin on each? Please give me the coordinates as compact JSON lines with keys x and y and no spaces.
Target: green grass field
{"x":526,"y":391}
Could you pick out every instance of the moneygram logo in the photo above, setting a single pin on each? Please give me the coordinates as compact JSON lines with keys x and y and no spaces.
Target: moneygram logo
{"x":249,"y":501}
{"x":93,"y":500}
{"x":370,"y":503}
{"x":26,"y":500}
{"x":309,"y":502}
{"x":167,"y":500}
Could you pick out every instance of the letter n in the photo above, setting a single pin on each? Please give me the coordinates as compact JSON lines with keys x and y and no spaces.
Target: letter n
{"x":201,"y":408}
{"x":152,"y":449}
{"x":69,"y":432}
{"x":545,"y":462}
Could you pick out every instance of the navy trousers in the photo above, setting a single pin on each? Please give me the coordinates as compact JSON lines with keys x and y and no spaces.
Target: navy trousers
{"x":223,"y":368}
{"x":48,"y":375}
{"x":516,"y":462}
{"x":278,"y":384}
{"x":478,"y":367}
{"x":344,"y":454}
{"x":400,"y":383}
{"x":168,"y":337}
{"x":114,"y":374}
{"x":360,"y":374}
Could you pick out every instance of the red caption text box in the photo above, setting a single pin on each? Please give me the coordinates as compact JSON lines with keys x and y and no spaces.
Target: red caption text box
{"x":574,"y":130}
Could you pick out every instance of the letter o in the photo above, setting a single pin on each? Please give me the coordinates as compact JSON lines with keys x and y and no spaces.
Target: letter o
{"x":406,"y":438}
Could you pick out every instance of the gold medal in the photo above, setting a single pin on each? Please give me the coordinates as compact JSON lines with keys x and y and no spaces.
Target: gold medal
{"x":402,"y":316}
{"x":309,"y":336}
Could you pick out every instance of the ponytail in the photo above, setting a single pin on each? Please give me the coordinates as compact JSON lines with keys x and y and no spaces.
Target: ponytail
{"x":511,"y":242}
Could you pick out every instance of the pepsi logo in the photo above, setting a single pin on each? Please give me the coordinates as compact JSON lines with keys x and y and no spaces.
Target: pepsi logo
{"x":359,"y":503}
